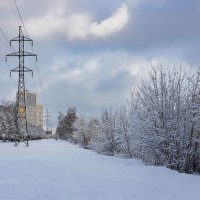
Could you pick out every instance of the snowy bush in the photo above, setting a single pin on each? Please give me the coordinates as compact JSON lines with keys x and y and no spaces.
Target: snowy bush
{"x":81,"y":134}
{"x":160,"y":124}
{"x":166,"y":122}
{"x":65,"y":127}
{"x":8,"y":125}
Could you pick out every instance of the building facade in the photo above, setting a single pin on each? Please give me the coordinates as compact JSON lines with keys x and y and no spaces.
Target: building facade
{"x":34,"y":111}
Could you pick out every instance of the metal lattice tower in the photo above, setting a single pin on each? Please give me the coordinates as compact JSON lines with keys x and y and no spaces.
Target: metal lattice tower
{"x":21,"y":134}
{"x":47,"y":116}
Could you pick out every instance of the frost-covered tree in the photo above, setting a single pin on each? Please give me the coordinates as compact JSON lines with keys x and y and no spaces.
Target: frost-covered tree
{"x":65,"y":127}
{"x":123,"y":132}
{"x":81,"y":134}
{"x":160,"y":124}
{"x":107,"y":126}
{"x":192,"y":146}
{"x":36,"y":132}
{"x":164,"y":122}
{"x":8,"y":123}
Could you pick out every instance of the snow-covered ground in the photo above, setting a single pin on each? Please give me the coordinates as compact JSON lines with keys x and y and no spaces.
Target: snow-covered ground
{"x":57,"y":170}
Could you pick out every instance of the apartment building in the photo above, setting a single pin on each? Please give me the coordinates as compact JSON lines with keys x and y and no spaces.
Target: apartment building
{"x":34,"y":111}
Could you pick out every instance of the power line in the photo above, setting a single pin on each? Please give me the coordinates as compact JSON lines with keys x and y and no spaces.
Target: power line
{"x":8,"y":70}
{"x":20,"y":16}
{"x":13,"y":50}
{"x":4,"y":41}
{"x":22,"y":134}
{"x":23,"y":24}
{"x":6,"y":38}
{"x":13,"y":8}
{"x":36,"y":64}
{"x":4,"y":35}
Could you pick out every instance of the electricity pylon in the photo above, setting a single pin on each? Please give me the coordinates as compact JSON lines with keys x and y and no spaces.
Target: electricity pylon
{"x":21,"y":134}
{"x":48,"y":124}
{"x":47,"y":121}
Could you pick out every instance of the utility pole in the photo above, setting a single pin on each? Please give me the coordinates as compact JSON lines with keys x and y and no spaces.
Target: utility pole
{"x":21,"y":134}
{"x":47,"y":116}
{"x":48,"y":124}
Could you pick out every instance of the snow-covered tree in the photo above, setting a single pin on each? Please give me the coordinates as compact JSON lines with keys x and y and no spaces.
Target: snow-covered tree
{"x":123,"y":132}
{"x":107,"y":127}
{"x":81,"y":134}
{"x":160,"y":124}
{"x":8,"y":123}
{"x":166,"y":112}
{"x":65,"y":127}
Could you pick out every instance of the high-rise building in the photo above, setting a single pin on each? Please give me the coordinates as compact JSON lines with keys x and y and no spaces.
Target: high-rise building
{"x":34,"y":111}
{"x":39,"y":111}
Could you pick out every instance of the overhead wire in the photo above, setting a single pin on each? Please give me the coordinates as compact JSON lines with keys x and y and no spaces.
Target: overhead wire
{"x":13,"y":8}
{"x":13,"y":83}
{"x":20,"y":16}
{"x":6,"y":38}
{"x":1,"y":57}
{"x":36,"y":63}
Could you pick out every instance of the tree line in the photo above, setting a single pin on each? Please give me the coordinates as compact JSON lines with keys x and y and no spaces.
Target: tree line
{"x":160,"y":124}
{"x":8,"y":123}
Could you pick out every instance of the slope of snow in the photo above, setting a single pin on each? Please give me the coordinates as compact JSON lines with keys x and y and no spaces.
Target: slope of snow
{"x":56,"y":170}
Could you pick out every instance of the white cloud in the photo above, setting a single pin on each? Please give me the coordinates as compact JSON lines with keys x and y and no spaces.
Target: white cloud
{"x":138,"y":2}
{"x":91,"y":72}
{"x":115,"y":23}
{"x":46,"y":26}
{"x":77,"y":25}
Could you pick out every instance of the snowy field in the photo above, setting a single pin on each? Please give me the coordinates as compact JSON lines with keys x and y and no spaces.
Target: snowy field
{"x":56,"y":170}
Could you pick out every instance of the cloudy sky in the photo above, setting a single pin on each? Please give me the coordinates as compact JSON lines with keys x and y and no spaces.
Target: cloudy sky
{"x":92,"y":52}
